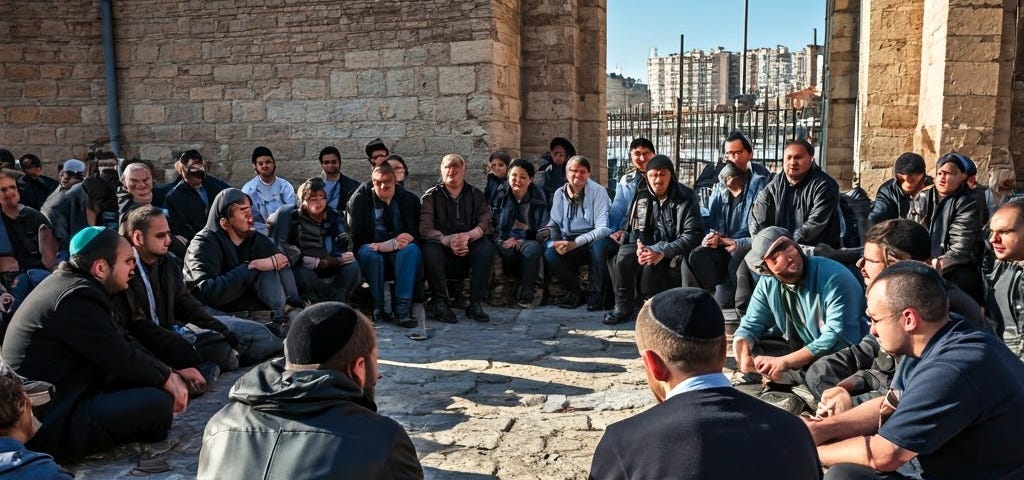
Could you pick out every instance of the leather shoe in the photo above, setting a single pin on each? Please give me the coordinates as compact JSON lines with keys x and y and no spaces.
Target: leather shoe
{"x":570,"y":300}
{"x":444,"y":313}
{"x":617,"y":316}
{"x":380,"y":316}
{"x":476,"y":312}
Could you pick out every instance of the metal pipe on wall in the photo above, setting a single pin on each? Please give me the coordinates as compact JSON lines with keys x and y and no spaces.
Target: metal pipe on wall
{"x":110,"y":77}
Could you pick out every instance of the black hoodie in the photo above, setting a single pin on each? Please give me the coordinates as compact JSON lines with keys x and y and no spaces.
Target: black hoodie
{"x":216,"y":270}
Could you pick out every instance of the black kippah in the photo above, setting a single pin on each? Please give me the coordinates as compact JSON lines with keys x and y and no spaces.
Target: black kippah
{"x":691,"y":313}
{"x":660,"y":162}
{"x":318,"y":332}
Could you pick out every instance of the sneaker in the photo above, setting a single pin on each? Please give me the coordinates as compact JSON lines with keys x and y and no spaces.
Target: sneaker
{"x":476,"y":312}
{"x":444,"y":313}
{"x":570,"y":300}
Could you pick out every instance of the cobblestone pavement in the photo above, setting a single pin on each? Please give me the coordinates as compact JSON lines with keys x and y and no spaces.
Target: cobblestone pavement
{"x":527,"y":395}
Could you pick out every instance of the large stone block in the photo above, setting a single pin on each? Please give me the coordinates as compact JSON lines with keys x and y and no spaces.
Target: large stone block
{"x":23,"y":115}
{"x":474,"y":51}
{"x":210,"y":92}
{"x":344,"y":84}
{"x":217,"y":112}
{"x":40,"y":89}
{"x":308,"y":88}
{"x":285,"y":112}
{"x":400,"y":81}
{"x":370,"y":83}
{"x":450,"y":108}
{"x":60,"y":115}
{"x":456,"y":80}
{"x":22,"y":72}
{"x":232,"y":73}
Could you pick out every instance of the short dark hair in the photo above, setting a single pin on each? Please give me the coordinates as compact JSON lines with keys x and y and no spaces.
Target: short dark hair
{"x":738,"y":135}
{"x":138,"y":218}
{"x":580,"y":159}
{"x":641,"y":142}
{"x":262,"y":152}
{"x":915,"y":285}
{"x":328,"y":150}
{"x":360,"y":344}
{"x":6,"y":157}
{"x":500,"y":155}
{"x":1015,"y":203}
{"x":686,"y":354}
{"x":312,"y":185}
{"x":102,"y":247}
{"x":12,"y":398}
{"x":803,"y":143}
{"x":902,"y":239}
{"x":384,"y":169}
{"x":523,"y":164}
{"x":29,"y":160}
{"x":399,"y":159}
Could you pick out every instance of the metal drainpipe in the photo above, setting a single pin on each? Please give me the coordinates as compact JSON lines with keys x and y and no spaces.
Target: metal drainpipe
{"x":110,"y":63}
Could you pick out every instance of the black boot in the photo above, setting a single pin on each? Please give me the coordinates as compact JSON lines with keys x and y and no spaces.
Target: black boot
{"x":443,"y":312}
{"x":476,"y":312}
{"x":622,"y":313}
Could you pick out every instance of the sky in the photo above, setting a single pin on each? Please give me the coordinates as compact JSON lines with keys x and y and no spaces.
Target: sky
{"x":636,"y":26}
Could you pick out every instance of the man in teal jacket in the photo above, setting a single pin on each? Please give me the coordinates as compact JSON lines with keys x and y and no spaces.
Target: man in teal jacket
{"x":802,"y":309}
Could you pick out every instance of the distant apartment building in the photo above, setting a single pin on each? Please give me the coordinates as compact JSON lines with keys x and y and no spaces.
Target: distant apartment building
{"x":712,"y":79}
{"x":622,"y":93}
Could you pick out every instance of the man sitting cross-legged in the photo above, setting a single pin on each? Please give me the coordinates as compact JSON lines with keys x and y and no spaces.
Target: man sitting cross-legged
{"x":109,"y":390}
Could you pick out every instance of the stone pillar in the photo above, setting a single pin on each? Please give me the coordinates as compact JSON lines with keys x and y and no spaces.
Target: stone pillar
{"x":1017,"y":109}
{"x":562,"y":77}
{"x":891,"y":80}
{"x":841,"y":94}
{"x":966,"y":81}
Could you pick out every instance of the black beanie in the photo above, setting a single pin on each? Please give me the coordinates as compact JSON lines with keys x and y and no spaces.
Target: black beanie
{"x":318,"y":332}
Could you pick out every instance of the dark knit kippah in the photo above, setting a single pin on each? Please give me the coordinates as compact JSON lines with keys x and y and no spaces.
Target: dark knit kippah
{"x":318,"y":332}
{"x":691,"y":313}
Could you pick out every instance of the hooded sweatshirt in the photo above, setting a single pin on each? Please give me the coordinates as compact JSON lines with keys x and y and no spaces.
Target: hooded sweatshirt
{"x":216,"y":270}
{"x":308,"y":424}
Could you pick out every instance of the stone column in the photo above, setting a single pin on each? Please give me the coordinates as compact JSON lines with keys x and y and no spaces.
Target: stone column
{"x":841,"y":85}
{"x":891,"y":79}
{"x":966,"y":81}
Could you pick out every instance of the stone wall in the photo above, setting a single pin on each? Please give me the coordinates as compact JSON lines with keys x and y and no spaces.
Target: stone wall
{"x":841,"y":96}
{"x":429,"y":77}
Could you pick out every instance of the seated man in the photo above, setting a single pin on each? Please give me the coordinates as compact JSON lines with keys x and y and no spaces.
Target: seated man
{"x":17,"y":426}
{"x":109,"y":390}
{"x":136,"y":187}
{"x":700,"y":421}
{"x":953,"y":218}
{"x":717,"y":261}
{"x":519,"y":211}
{"x":903,"y":195}
{"x":310,"y":414}
{"x":956,"y":407}
{"x":267,"y":191}
{"x":454,"y":222}
{"x":72,"y":173}
{"x":28,"y":249}
{"x":579,"y":224}
{"x":339,"y":187}
{"x":93,"y":202}
{"x":188,"y":202}
{"x":663,"y":226}
{"x":1007,"y":295}
{"x":803,"y":200}
{"x":33,"y":185}
{"x":315,"y":237}
{"x":863,"y":371}
{"x":158,"y":279}
{"x":231,"y":267}
{"x":803,"y":308}
{"x":384,"y":219}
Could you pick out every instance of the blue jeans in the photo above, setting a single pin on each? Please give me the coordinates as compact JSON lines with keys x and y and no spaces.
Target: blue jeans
{"x":255,"y":342}
{"x":404,"y":264}
{"x":526,"y":260}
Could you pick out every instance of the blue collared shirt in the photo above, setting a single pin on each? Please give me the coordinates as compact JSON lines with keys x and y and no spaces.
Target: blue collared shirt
{"x":700,"y":382}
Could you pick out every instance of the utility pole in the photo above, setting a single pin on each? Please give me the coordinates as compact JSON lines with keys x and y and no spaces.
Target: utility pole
{"x":743,"y":59}
{"x":679,"y":104}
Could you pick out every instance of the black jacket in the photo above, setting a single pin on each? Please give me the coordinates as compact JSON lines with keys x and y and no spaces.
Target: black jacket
{"x":809,"y":209}
{"x":303,"y":424}
{"x":23,"y":231}
{"x":441,"y":215}
{"x":361,"y":221}
{"x":216,"y":270}
{"x":186,"y":212}
{"x":505,"y":211}
{"x":35,"y":190}
{"x":346,"y":187}
{"x":891,"y":202}
{"x":954,"y":223}
{"x":672,"y":227}
{"x":65,"y":333}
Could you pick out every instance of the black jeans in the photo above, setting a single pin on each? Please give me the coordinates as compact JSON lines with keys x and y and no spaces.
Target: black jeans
{"x":716,"y":270}
{"x":524,"y":259}
{"x":439,"y":262}
{"x":563,"y":267}
{"x":108,"y":419}
{"x":626,"y":272}
{"x":850,"y":471}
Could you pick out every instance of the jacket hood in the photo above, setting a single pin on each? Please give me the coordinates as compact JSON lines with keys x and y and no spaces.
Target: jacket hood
{"x":270,"y":388}
{"x":220,"y":205}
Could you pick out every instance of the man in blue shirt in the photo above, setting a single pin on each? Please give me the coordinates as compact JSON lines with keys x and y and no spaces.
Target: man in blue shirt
{"x":700,"y":421}
{"x":954,"y":403}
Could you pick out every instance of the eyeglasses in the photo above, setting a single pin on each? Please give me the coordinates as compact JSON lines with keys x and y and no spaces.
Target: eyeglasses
{"x":874,"y":320}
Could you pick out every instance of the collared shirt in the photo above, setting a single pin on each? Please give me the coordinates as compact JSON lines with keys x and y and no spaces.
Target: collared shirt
{"x":700,"y":382}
